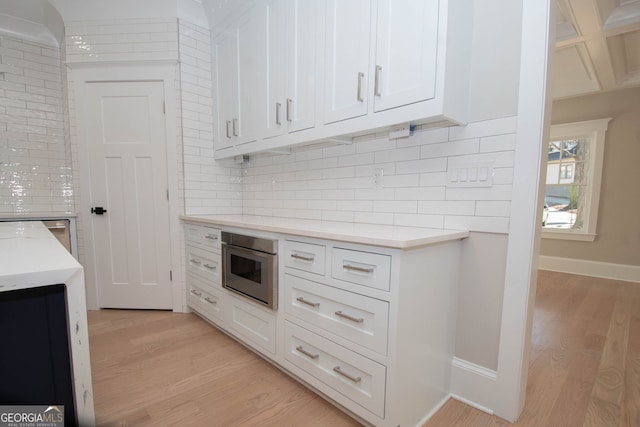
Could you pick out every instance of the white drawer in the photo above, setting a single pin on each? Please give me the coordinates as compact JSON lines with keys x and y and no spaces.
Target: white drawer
{"x":202,"y":235}
{"x":206,"y":302}
{"x":304,"y":256}
{"x":354,"y":376}
{"x":255,"y":324}
{"x":363,"y":268}
{"x":357,"y":318}
{"x":204,"y":264}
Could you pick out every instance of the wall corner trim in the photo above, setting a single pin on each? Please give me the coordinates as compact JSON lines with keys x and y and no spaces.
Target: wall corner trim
{"x":604,"y":270}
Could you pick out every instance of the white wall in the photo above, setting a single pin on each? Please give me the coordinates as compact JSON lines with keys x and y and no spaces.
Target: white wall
{"x":35,"y":171}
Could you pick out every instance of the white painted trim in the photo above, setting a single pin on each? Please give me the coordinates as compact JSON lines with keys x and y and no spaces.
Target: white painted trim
{"x":472,"y":404}
{"x":567,"y":235}
{"x":433,"y":411}
{"x":534,"y":106}
{"x":474,"y":385}
{"x":479,"y":370}
{"x":164,"y":71}
{"x":604,"y":270}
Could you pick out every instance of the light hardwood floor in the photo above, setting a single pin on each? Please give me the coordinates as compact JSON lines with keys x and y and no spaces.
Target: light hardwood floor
{"x":160,"y":368}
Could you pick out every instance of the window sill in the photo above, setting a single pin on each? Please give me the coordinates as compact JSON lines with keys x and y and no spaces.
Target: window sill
{"x":568,"y":235}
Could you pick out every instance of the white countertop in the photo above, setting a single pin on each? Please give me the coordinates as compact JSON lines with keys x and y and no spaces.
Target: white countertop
{"x":368,"y":234}
{"x":31,"y":256}
{"x":34,"y":216}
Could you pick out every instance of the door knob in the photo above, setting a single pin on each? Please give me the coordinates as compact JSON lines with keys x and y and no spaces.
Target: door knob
{"x":98,"y":210}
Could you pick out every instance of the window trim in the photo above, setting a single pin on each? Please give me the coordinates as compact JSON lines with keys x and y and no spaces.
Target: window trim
{"x":595,"y":131}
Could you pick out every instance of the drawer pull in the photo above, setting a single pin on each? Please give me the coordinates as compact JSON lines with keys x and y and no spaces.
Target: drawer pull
{"x":195,"y":262}
{"x":210,"y":267}
{"x":358,"y":269}
{"x":347,"y":376}
{"x":210,"y":301}
{"x":211,"y":237}
{"x":306,"y":353}
{"x":303,"y":258}
{"x":346,"y":316}
{"x":196,"y":293}
{"x":304,"y":301}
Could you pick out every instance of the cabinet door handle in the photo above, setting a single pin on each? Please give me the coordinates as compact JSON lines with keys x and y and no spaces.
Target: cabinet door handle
{"x":228,"y":129}
{"x":304,"y":301}
{"x":376,"y":90}
{"x":306,"y":353}
{"x":360,"y":77}
{"x":210,"y":267}
{"x":359,"y":269}
{"x":347,"y":376}
{"x":211,"y":301}
{"x":289,"y":108}
{"x":195,"y":262}
{"x":196,"y":293}
{"x":346,"y":316}
{"x":235,"y":127}
{"x":278,"y":108}
{"x":303,"y":258}
{"x":211,"y":237}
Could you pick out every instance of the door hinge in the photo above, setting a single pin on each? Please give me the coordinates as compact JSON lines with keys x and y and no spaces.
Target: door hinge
{"x":164,"y":108}
{"x":167,"y":194}
{"x":171,"y":275}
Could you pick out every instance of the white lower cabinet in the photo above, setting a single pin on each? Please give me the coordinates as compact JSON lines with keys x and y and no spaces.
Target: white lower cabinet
{"x":359,"y":319}
{"x":256,"y":325}
{"x":371,"y":328}
{"x":353,"y":376}
{"x":206,"y":301}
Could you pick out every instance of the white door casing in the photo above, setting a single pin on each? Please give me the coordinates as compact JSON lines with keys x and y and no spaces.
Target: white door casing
{"x":127,"y":158}
{"x":162,"y":73}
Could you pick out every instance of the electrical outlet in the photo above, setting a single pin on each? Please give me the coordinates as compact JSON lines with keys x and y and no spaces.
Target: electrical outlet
{"x":377,"y":177}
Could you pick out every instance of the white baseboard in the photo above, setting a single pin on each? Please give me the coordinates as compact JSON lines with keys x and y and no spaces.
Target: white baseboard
{"x":473,"y":385}
{"x":605,"y":270}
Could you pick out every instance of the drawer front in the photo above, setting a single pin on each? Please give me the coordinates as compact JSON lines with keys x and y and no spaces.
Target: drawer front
{"x":206,"y":302}
{"x":202,"y":235}
{"x":357,"y":318}
{"x":354,"y":376}
{"x":211,"y":238}
{"x":305,"y":256}
{"x":256,"y":325}
{"x":204,"y":264}
{"x":362,"y":268}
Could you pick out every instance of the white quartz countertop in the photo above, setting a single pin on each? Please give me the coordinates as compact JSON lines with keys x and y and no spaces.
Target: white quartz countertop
{"x":33,"y":216}
{"x":31,"y":256}
{"x":368,"y":234}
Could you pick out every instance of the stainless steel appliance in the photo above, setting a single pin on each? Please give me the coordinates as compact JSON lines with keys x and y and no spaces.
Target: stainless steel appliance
{"x":250,"y":267}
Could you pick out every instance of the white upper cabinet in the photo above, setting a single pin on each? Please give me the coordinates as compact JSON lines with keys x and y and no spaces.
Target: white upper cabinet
{"x":291,"y":48}
{"x":301,"y":71}
{"x":238,"y":62}
{"x":347,"y":40}
{"x":405,"y":52}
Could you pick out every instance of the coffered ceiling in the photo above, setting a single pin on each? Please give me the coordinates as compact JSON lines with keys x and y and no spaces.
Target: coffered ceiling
{"x":597,"y":46}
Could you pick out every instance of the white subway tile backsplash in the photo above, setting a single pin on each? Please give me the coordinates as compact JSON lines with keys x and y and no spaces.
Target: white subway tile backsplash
{"x":412,"y":190}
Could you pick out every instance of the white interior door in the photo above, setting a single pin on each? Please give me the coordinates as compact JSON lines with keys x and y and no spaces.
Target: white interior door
{"x":128,"y":169}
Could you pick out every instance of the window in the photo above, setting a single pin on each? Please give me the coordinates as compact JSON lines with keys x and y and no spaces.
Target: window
{"x":574,"y":171}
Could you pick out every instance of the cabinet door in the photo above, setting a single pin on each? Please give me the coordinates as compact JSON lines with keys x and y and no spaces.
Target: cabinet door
{"x":406,"y":45}
{"x":225,"y":98}
{"x":302,"y":42}
{"x":347,"y":25}
{"x":250,"y":76}
{"x":274,"y":13}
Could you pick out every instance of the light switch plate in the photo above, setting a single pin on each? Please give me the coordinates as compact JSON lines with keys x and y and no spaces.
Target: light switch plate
{"x":462,"y":173}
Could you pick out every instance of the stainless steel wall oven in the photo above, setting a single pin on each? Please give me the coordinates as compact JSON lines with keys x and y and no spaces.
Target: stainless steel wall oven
{"x":250,"y":267}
